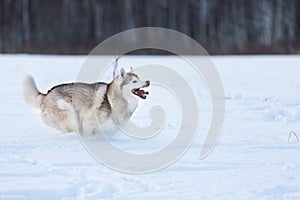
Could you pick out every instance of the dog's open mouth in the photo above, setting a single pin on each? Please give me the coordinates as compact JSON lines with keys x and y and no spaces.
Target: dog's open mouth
{"x":141,"y":93}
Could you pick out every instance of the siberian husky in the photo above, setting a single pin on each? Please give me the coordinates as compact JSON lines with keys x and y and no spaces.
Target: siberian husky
{"x":88,"y":108}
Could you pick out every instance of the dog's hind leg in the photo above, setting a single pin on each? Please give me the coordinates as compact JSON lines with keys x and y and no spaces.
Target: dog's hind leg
{"x":74,"y":122}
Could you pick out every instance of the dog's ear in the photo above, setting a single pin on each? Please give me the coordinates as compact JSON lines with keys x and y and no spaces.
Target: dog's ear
{"x":122,"y":72}
{"x":131,"y":69}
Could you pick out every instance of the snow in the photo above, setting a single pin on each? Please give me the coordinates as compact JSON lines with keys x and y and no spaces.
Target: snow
{"x":252,"y":160}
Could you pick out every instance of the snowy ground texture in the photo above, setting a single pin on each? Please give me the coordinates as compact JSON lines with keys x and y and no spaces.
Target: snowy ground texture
{"x":253,"y":159}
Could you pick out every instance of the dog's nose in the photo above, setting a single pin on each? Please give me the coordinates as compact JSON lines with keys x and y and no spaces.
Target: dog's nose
{"x":147,"y":83}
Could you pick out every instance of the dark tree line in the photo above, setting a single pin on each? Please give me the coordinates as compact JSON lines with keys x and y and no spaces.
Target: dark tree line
{"x":221,"y":26}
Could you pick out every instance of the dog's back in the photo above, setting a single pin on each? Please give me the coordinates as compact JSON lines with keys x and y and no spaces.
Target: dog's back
{"x":81,"y":94}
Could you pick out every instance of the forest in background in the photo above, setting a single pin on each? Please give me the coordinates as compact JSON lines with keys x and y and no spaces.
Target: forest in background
{"x":220,"y":26}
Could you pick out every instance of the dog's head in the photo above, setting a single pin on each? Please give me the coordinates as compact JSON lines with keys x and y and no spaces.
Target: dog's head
{"x":131,"y":83}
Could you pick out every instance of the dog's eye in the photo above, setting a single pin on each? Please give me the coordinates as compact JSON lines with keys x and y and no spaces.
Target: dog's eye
{"x":134,"y":81}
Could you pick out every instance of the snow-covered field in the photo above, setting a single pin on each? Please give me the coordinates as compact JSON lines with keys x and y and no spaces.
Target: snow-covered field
{"x":252,"y":160}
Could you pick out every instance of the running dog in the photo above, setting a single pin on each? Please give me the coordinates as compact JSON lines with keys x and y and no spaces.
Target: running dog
{"x":88,"y":108}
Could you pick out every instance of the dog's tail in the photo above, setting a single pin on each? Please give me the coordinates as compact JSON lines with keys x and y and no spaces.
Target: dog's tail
{"x":31,"y":94}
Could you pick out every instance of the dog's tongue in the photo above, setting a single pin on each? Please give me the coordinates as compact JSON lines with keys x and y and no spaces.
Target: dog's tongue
{"x":141,"y":93}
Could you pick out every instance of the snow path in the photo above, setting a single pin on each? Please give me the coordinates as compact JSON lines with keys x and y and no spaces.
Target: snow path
{"x":253,"y":159}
